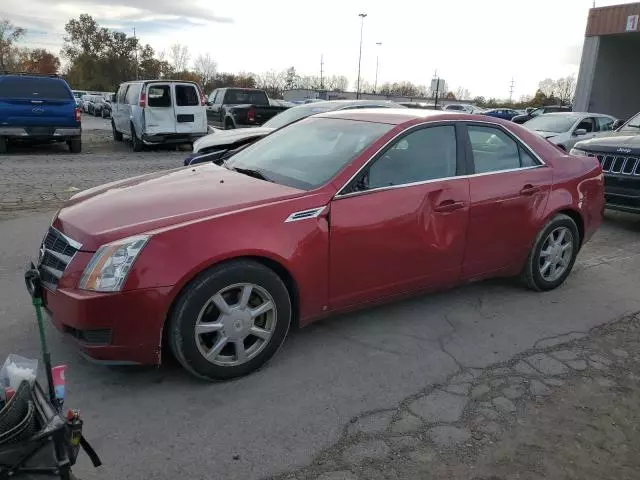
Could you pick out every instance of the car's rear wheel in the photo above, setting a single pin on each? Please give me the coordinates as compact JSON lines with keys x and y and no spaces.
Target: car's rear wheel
{"x":75,"y":145}
{"x":230,"y":320}
{"x":3,"y":145}
{"x":553,"y":254}
{"x":117,"y":136}
{"x":136,"y":143}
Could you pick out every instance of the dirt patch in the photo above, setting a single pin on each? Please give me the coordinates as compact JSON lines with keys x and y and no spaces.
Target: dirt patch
{"x":569,"y":409}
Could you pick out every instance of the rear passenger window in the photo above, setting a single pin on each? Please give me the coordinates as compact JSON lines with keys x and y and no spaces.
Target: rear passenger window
{"x":159,"y":96}
{"x":187,"y":96}
{"x":493,"y":150}
{"x":133,"y":94}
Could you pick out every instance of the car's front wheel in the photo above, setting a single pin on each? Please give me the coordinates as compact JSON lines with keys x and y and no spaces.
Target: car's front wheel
{"x":117,"y":136}
{"x":553,"y":254}
{"x":136,"y":143}
{"x":230,"y":320}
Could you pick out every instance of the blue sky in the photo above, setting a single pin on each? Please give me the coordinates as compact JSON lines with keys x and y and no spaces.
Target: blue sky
{"x":478,"y":45}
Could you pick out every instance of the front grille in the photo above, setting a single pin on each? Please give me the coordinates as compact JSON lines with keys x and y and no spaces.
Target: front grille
{"x":56,"y":253}
{"x":618,"y":164}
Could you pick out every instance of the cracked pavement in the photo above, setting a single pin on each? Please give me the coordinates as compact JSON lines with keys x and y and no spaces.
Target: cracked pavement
{"x":160,"y":423}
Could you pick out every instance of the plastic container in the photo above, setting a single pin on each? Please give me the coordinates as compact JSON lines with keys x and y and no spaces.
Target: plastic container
{"x":16,"y":369}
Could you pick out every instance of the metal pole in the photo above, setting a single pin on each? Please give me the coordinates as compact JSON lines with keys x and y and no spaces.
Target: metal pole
{"x":375,"y":85}
{"x":362,"y":17}
{"x":134,"y":36}
{"x":321,"y":78}
{"x":437,"y":88}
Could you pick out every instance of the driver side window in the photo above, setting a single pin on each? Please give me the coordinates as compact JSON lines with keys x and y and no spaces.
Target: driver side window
{"x":425,"y":154}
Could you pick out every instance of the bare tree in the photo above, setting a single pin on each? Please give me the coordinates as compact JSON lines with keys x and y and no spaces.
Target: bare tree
{"x":9,"y":34}
{"x":206,"y":67}
{"x":548,"y":87}
{"x":179,"y":57}
{"x":566,"y":89}
{"x":336,"y":83}
{"x":272,"y":82}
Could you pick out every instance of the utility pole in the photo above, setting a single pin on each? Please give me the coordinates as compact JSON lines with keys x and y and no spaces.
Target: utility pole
{"x":362,"y":17}
{"x":321,"y":72}
{"x":134,"y":36}
{"x":375,"y":85}
{"x":435,"y":76}
{"x":511,"y":87}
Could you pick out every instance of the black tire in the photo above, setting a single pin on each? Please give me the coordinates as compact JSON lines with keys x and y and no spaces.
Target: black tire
{"x":182,"y":321}
{"x":117,"y":136}
{"x":136,"y":143}
{"x":531,"y":275}
{"x":228,"y":124}
{"x":75,"y":145}
{"x":3,"y":145}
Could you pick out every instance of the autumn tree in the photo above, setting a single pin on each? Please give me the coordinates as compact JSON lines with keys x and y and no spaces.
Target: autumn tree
{"x":9,"y":35}
{"x":39,"y":60}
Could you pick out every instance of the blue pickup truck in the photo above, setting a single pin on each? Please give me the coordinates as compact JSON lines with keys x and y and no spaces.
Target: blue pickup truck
{"x":38,"y":109}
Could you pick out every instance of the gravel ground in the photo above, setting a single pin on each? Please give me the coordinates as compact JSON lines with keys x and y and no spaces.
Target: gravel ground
{"x":40,"y":178}
{"x":567,"y":409}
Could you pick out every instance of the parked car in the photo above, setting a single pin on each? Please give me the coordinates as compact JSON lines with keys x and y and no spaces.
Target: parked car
{"x":96,"y":103}
{"x":229,"y":108}
{"x":421,"y":105}
{"x":155,"y":112}
{"x":85,"y":100}
{"x":38,"y":109}
{"x":322,"y":216}
{"x":503,"y":113}
{"x":459,"y":107}
{"x":221,"y":144}
{"x":540,"y":111}
{"x":106,"y":108}
{"x":77,"y":94}
{"x":565,"y":129}
{"x":619,"y":156}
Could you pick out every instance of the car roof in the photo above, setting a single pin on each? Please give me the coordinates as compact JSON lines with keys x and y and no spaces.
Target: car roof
{"x":394,"y":116}
{"x":344,"y":103}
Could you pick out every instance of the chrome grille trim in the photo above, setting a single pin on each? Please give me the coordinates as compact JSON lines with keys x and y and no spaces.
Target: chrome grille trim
{"x":618,"y":165}
{"x":56,"y":252}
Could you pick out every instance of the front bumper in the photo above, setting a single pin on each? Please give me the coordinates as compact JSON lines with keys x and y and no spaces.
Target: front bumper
{"x":622,"y":194}
{"x":112,"y":328}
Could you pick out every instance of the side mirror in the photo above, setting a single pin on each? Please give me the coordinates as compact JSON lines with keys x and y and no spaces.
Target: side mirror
{"x":617,"y":124}
{"x":580,"y":132}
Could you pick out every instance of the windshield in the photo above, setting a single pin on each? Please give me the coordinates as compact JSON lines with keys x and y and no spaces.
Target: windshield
{"x":632,"y":125}
{"x":551,"y":123}
{"x":293,"y":115}
{"x":34,"y":88}
{"x":238,"y":97}
{"x":536,"y":112}
{"x":308,"y":153}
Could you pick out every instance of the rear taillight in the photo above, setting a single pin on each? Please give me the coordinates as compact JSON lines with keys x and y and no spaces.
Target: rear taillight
{"x":203,"y":99}
{"x":143,"y":100}
{"x":251,"y":115}
{"x":77,"y":114}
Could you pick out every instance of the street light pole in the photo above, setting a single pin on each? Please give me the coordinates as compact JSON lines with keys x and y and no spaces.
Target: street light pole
{"x":375,"y":85}
{"x":362,"y":17}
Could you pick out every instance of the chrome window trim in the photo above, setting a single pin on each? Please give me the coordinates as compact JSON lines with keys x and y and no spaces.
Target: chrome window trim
{"x":439,"y":122}
{"x":305,"y":214}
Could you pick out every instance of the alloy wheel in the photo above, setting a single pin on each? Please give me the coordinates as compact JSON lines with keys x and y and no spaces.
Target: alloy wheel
{"x":235,"y":324}
{"x":556,"y":254}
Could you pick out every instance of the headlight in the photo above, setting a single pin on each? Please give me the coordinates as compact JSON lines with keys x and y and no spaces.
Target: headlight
{"x":578,"y":153}
{"x":110,"y":265}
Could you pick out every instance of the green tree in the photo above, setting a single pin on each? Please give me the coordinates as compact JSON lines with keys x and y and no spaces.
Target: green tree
{"x":9,"y":35}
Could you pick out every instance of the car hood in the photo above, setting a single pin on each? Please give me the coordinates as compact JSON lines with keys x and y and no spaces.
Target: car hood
{"x":157,"y":200}
{"x":613,"y":142}
{"x":228,"y":137}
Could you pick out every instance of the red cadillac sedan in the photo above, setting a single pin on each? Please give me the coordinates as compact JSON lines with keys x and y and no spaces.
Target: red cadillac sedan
{"x":335,"y":212}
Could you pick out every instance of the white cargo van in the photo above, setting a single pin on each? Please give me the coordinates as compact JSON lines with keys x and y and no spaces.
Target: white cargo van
{"x":154,"y":112}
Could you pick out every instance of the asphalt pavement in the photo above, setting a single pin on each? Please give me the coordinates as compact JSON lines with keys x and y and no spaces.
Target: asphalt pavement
{"x":160,"y":423}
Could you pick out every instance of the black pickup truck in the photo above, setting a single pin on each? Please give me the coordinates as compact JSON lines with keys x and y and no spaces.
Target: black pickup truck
{"x":619,"y":156}
{"x":229,"y":108}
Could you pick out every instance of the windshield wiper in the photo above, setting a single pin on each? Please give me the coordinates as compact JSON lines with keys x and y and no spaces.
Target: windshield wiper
{"x":251,"y":172}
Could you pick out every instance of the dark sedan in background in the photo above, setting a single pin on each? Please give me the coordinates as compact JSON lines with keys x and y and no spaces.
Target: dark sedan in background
{"x":223,"y":143}
{"x":539,"y":111}
{"x":503,"y":113}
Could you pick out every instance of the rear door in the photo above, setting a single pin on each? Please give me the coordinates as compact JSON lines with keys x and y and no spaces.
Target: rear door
{"x":159,"y":113}
{"x":36,"y":102}
{"x":509,"y":193}
{"x":191,"y":115}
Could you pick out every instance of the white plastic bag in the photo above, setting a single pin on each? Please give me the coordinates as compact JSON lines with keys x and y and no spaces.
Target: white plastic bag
{"x":16,"y":369}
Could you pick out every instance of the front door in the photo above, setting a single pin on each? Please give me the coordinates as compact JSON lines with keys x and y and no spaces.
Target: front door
{"x":159,"y":112}
{"x":400,"y":224}
{"x":509,"y":193}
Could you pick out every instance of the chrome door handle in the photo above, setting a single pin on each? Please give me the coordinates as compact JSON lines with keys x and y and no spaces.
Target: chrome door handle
{"x":448,"y":206}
